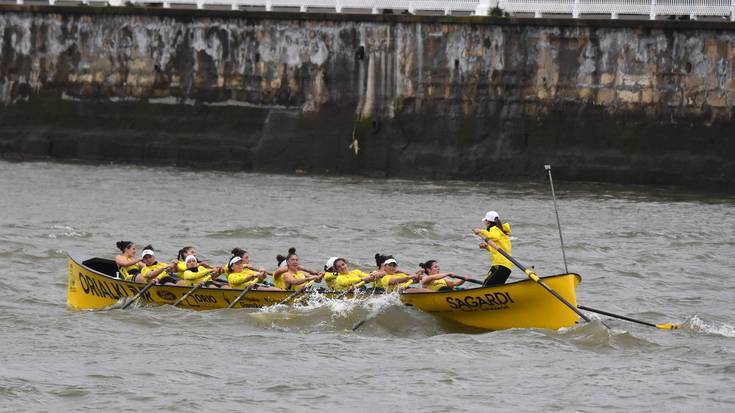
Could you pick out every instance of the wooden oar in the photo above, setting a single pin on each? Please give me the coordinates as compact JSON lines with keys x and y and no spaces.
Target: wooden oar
{"x":185,"y":296}
{"x":242,"y":294}
{"x":351,"y":289}
{"x":472,"y":280}
{"x":140,"y":293}
{"x":532,"y":275}
{"x":297,"y":293}
{"x":667,"y":326}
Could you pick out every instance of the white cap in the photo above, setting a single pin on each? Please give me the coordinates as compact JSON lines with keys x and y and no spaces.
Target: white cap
{"x":390,"y":261}
{"x":491,"y":216}
{"x":282,"y":264}
{"x":190,"y":258}
{"x":147,"y":252}
{"x":234,"y":261}
{"x":330,"y":262}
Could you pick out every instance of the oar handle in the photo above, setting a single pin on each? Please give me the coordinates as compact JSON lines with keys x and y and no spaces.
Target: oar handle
{"x":140,"y":293}
{"x":532,"y":275}
{"x":472,"y":280}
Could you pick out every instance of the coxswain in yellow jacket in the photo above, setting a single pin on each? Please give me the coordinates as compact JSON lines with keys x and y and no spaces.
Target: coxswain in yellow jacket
{"x":346,"y":278}
{"x":498,"y":233}
{"x":291,"y":276}
{"x":389,"y":279}
{"x":128,"y":266}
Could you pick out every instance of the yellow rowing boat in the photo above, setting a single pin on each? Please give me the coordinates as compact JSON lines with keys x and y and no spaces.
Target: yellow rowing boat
{"x":93,"y":285}
{"x":521,"y":304}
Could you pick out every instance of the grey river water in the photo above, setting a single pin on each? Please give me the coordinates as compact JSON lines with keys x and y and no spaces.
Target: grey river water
{"x":660,"y":255}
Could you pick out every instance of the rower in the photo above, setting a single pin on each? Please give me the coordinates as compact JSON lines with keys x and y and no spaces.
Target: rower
{"x":391,"y":279}
{"x":196,"y":273}
{"x":183,"y":253}
{"x":330,"y":274}
{"x":128,"y":266}
{"x":432,"y":279}
{"x":290,"y":275}
{"x":155,"y":269}
{"x":499,"y":233}
{"x":239,"y":276}
{"x":347,"y":278}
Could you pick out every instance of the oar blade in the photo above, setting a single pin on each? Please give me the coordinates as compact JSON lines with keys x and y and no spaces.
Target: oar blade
{"x":668,"y":326}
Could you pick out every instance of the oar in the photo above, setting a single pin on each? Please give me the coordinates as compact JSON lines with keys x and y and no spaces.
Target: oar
{"x":140,"y":293}
{"x":297,"y":293}
{"x":196,"y":287}
{"x":667,"y":326}
{"x":472,"y":280}
{"x":532,"y":275}
{"x":351,"y":289}
{"x":242,"y":294}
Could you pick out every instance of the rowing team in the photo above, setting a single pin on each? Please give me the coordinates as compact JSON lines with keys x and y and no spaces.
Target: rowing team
{"x":187,"y":270}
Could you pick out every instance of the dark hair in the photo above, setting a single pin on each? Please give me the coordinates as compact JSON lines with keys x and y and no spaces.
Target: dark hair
{"x":426,"y":265}
{"x":238,"y":252}
{"x":149,"y":247}
{"x":334,"y":265}
{"x":280,"y":258}
{"x":498,"y":224}
{"x":123,"y":245}
{"x":380,"y":259}
{"x":182,"y":251}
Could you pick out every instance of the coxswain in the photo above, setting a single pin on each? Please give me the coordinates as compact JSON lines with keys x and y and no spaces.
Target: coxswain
{"x":290,"y":275}
{"x":499,"y":233}
{"x":128,"y":265}
{"x":346,"y":278}
{"x":154,"y":269}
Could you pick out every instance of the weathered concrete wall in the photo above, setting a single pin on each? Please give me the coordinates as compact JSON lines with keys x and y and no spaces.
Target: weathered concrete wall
{"x":635,"y":102}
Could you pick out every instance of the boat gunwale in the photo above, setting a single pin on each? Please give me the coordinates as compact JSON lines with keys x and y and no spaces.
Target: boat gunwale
{"x":579,"y":280}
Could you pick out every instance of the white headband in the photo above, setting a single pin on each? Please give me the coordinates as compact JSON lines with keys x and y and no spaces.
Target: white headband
{"x":190,"y":258}
{"x":147,"y":252}
{"x":234,"y":260}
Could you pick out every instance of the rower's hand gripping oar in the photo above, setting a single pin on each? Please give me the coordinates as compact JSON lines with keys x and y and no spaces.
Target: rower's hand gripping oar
{"x":140,"y":293}
{"x":188,"y":293}
{"x":667,"y":326}
{"x":242,"y":294}
{"x":532,"y":275}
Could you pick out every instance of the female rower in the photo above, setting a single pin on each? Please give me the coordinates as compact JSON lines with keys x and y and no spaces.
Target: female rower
{"x":127,"y":265}
{"x":433,"y":279}
{"x":330,"y":274}
{"x":292,"y":276}
{"x":240,"y":276}
{"x":498,"y":233}
{"x":346,"y":279}
{"x":154,"y":269}
{"x":390,"y":278}
{"x":181,"y":265}
{"x":196,"y":273}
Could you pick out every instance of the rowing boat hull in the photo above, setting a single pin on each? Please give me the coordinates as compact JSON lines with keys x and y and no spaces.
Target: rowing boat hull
{"x":91,"y":287}
{"x":522,"y":304}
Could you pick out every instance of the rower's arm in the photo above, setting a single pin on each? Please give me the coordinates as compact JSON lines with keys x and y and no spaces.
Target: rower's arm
{"x":191,"y":275}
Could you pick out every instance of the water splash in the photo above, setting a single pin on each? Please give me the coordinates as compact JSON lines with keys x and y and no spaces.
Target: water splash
{"x":709,"y":327}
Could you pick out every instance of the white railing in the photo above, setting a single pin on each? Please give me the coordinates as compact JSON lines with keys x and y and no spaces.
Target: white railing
{"x":574,"y":8}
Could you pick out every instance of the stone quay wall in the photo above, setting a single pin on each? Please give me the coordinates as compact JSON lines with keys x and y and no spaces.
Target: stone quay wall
{"x":636,"y":102}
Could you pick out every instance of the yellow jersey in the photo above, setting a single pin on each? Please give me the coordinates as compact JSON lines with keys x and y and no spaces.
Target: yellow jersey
{"x":346,"y":281}
{"x":329,"y":279}
{"x":154,"y":267}
{"x":242,"y":279}
{"x":502,"y":240}
{"x":281,"y":283}
{"x":130,"y":272}
{"x":437,"y":285}
{"x":384,"y":280}
{"x":196,"y":275}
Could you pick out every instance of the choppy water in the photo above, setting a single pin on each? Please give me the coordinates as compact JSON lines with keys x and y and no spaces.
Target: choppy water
{"x":655,"y":254}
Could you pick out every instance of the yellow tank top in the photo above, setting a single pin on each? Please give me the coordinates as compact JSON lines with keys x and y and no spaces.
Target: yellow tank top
{"x":346,"y":281}
{"x":502,"y":240}
{"x":242,"y":279}
{"x":329,"y":279}
{"x":383,"y":282}
{"x":193,"y":278}
{"x":154,"y":267}
{"x":128,"y":273}
{"x":281,"y":283}
{"x":437,"y":285}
